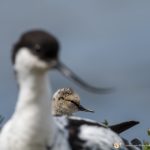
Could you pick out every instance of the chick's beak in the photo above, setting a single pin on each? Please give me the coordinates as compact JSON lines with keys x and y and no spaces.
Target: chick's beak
{"x":81,"y":108}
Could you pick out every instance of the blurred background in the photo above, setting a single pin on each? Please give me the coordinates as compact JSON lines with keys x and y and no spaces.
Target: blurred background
{"x":107,"y":43}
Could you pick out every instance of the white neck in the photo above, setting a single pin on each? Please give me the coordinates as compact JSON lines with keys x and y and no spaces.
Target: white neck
{"x":34,"y":91}
{"x":33,"y":110}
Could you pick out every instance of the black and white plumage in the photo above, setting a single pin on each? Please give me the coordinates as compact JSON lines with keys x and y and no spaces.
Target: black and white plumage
{"x":66,"y":101}
{"x":123,"y":126}
{"x":84,"y":134}
{"x":32,"y":126}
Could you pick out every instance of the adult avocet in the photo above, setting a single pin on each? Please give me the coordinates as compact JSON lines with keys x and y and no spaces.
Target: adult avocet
{"x":32,"y":126}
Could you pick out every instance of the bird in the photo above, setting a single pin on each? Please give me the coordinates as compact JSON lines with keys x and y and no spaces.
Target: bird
{"x":66,"y":101}
{"x":32,"y":125}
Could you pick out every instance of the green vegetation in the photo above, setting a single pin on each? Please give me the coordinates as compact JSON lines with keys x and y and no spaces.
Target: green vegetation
{"x":106,"y":123}
{"x":146,"y":143}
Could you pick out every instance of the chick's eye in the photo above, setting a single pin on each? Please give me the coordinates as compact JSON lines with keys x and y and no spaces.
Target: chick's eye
{"x":60,"y":98}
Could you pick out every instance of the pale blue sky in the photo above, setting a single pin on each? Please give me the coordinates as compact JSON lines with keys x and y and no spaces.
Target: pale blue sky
{"x":106,"y":42}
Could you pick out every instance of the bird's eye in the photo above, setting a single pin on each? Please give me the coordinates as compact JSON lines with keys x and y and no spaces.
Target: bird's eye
{"x":37,"y":48}
{"x":60,"y":98}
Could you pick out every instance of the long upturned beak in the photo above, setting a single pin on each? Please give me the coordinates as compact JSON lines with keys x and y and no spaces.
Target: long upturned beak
{"x":71,"y":75}
{"x":81,"y":108}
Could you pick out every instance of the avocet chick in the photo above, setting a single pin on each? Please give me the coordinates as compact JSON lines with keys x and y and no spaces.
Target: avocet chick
{"x":66,"y":102}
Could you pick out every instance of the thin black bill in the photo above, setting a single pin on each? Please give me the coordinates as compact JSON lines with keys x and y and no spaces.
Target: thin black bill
{"x":81,"y":108}
{"x":71,"y":75}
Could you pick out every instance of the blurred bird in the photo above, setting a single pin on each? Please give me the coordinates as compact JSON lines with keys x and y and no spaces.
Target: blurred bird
{"x":32,"y":126}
